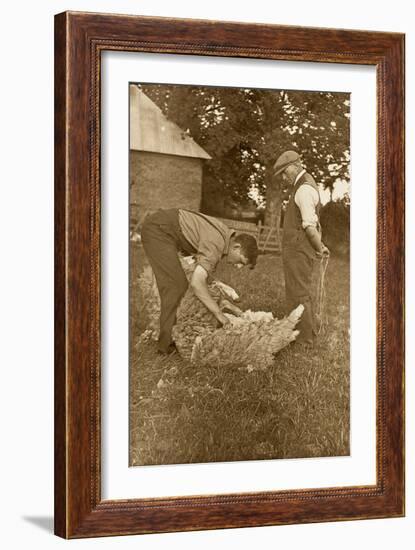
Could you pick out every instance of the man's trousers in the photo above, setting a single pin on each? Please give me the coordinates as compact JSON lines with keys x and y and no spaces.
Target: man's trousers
{"x":162,"y":239}
{"x":298,"y":275}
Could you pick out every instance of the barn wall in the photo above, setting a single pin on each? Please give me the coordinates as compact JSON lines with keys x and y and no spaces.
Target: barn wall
{"x":164,"y":181}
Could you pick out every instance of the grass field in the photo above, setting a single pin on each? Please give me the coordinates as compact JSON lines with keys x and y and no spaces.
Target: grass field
{"x":184,"y":413}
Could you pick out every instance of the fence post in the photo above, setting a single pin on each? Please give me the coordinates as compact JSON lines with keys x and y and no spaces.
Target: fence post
{"x":259,"y":227}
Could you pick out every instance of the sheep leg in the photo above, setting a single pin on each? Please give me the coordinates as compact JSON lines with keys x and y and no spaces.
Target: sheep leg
{"x":225,"y":304}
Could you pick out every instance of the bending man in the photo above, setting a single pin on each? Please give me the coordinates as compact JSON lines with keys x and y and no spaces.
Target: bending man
{"x":167,"y":232}
{"x":301,"y":239}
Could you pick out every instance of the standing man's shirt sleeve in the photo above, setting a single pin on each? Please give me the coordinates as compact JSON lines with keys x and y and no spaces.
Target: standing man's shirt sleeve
{"x":307,"y":199}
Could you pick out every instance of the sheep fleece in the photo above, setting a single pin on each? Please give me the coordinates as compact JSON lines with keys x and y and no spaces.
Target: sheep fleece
{"x":252,"y":339}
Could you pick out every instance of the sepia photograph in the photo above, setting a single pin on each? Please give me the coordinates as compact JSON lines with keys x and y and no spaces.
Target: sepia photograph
{"x":239,"y":274}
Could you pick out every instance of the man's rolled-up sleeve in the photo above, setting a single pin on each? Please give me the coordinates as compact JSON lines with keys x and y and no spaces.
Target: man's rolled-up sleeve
{"x":306,"y":198}
{"x":209,"y":253}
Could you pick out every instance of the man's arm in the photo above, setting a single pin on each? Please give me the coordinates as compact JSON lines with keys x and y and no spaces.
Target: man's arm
{"x":199,"y":286}
{"x":314,"y":238}
{"x":307,"y":199}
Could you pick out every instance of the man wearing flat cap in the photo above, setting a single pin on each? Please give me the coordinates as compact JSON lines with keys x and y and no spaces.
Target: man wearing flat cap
{"x":301,"y":239}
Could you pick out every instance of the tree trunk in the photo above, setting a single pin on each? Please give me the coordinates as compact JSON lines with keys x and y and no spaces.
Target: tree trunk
{"x":273,"y":198}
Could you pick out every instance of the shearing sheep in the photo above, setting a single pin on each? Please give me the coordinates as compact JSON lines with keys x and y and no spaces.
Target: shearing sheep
{"x":252,"y":338}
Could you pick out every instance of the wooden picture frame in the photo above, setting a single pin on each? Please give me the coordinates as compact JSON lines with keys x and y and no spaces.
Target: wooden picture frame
{"x":79,"y":40}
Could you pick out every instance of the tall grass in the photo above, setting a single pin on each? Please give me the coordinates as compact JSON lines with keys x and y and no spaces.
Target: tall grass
{"x":185,"y":413}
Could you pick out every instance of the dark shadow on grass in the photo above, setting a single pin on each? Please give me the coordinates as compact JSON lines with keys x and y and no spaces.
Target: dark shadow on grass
{"x":43,"y":522}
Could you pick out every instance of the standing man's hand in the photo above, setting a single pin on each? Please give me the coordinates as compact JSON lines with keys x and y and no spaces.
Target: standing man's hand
{"x":324,"y":252}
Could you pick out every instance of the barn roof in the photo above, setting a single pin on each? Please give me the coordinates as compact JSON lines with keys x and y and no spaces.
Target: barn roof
{"x":151,"y":131}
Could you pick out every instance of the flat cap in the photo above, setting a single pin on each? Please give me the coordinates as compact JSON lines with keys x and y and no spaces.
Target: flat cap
{"x":284,"y":160}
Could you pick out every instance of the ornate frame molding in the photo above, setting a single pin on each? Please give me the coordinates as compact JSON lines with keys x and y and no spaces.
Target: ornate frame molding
{"x":79,"y":40}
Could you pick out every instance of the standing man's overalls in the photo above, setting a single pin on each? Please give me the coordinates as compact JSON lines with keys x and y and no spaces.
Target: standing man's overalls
{"x":298,"y":260}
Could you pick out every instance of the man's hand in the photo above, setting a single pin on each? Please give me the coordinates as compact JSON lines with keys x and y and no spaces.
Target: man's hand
{"x":324,"y":252}
{"x":200,"y":288}
{"x":222,"y":319}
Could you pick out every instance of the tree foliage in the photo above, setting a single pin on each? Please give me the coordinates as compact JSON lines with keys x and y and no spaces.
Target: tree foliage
{"x":335,"y":224}
{"x":245,"y":130}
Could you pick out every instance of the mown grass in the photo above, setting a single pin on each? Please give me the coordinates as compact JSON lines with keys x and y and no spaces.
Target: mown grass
{"x":185,"y":413}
